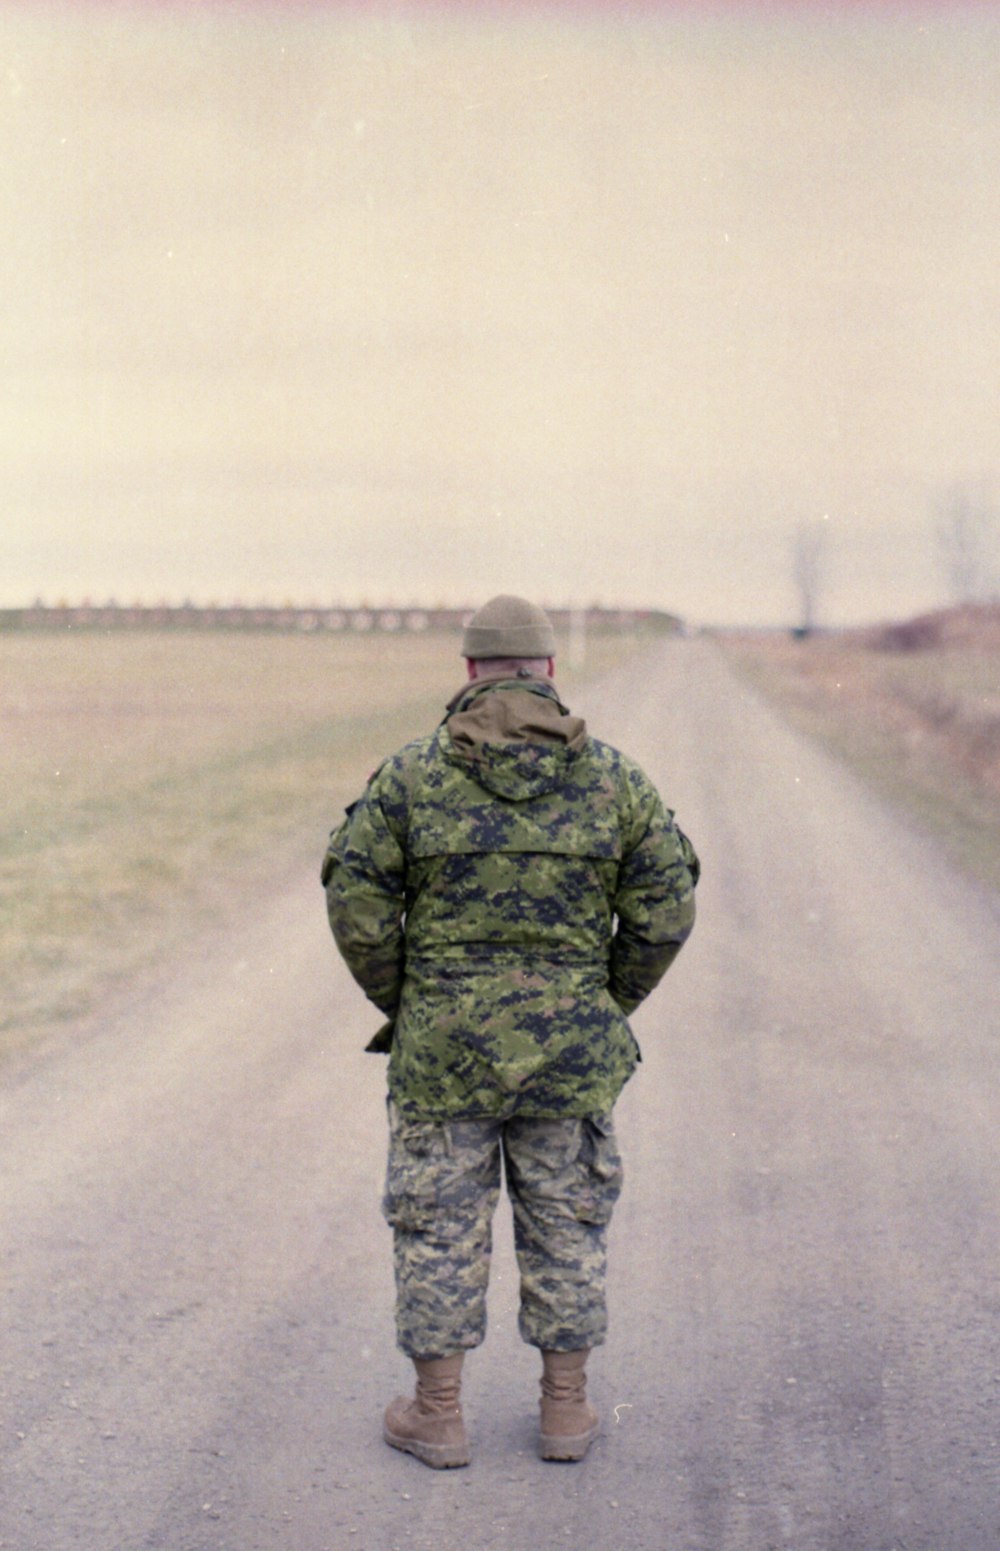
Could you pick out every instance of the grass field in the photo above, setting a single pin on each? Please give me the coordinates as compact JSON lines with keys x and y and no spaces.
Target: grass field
{"x":150,"y":782}
{"x":921,"y":725}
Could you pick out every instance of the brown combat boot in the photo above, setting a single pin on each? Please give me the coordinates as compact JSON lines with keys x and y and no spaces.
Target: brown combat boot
{"x":430,"y":1426}
{"x":569,"y":1421}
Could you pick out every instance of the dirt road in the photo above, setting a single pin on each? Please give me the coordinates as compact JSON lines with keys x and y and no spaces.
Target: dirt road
{"x":805,"y":1348}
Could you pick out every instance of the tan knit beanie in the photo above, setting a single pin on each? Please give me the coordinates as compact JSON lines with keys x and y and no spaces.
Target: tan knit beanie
{"x":509,"y":627}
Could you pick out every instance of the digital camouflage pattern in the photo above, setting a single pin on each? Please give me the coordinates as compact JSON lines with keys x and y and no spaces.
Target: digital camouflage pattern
{"x":443,"y":1182}
{"x":506,"y":891}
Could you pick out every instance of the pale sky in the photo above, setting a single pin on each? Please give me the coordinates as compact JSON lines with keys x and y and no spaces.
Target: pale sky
{"x":398,"y":303}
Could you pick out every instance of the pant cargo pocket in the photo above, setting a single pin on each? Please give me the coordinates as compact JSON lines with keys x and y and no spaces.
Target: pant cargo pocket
{"x":603,"y":1173}
{"x":410,"y":1198}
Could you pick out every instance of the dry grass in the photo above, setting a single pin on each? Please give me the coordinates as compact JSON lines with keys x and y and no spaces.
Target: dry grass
{"x":916,"y":709}
{"x":148,"y":781}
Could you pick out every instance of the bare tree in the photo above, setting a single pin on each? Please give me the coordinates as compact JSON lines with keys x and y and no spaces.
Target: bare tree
{"x":968,"y":539}
{"x":808,"y":566}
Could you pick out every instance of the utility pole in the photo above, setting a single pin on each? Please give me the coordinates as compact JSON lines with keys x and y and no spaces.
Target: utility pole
{"x":577,"y":637}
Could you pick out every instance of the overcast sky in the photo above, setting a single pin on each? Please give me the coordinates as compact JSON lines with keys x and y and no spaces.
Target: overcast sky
{"x":397,"y":303}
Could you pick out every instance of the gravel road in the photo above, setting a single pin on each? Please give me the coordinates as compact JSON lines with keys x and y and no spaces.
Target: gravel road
{"x":805,"y":1345}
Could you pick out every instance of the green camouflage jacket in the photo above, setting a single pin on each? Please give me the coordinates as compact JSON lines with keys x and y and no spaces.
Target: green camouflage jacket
{"x":506,"y":891}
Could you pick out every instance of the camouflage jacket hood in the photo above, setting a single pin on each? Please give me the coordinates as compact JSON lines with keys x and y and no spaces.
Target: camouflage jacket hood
{"x":514,"y":736}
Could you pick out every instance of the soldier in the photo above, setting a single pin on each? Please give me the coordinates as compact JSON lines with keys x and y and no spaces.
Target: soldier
{"x":507,"y":890}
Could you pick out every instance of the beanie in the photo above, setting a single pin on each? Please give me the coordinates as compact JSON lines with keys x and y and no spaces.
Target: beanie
{"x":509,"y":627}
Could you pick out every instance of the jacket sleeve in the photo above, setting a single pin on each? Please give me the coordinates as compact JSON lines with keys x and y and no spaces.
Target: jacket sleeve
{"x":364,"y":877}
{"x":654,"y":902}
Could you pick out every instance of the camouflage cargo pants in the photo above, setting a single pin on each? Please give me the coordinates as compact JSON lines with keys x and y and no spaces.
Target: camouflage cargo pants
{"x":442,"y":1187}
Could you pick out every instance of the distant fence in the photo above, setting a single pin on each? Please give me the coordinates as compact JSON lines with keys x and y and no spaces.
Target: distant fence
{"x":361,"y":620}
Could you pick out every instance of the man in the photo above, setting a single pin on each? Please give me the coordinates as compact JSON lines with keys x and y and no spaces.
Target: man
{"x":506,"y":891}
